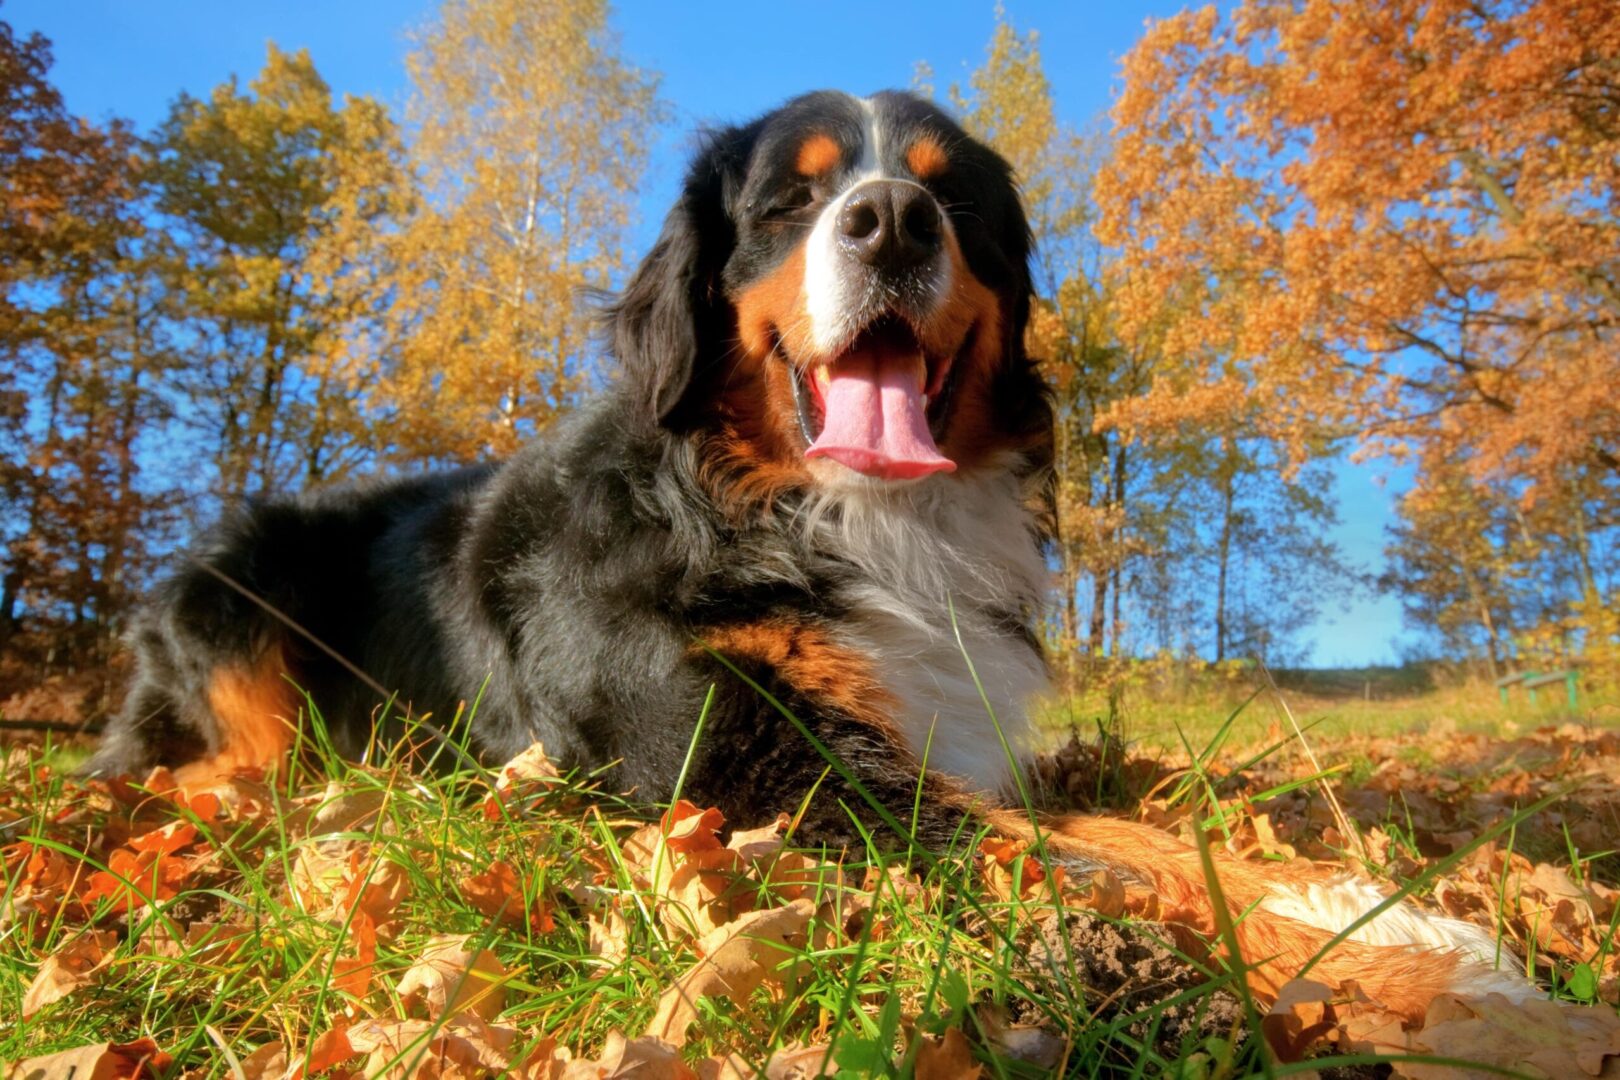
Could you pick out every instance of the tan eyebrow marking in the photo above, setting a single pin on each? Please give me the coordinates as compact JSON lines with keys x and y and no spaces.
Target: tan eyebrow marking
{"x":818,"y":154}
{"x":926,"y":158}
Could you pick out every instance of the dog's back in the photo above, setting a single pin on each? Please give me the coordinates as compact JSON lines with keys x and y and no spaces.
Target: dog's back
{"x":279,"y":586}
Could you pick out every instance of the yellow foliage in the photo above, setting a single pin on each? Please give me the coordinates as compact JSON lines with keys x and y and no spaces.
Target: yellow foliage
{"x":531,"y":136}
{"x":278,"y":198}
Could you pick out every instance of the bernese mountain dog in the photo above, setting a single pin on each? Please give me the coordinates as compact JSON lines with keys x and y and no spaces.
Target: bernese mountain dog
{"x":814,"y":489}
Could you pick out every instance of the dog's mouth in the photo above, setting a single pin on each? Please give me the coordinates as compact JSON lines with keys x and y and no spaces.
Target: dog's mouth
{"x":876,"y":405}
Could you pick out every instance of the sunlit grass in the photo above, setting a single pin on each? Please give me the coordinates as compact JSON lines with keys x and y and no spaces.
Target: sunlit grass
{"x":1155,"y":721}
{"x":904,"y":940}
{"x":891,"y":953}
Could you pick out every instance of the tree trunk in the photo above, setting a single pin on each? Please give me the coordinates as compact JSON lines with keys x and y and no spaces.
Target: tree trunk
{"x":1117,"y":501}
{"x":1099,"y":613}
{"x":10,"y":587}
{"x":1583,"y":548}
{"x":1224,"y":548}
{"x":1069,"y":613}
{"x":1097,"y":489}
{"x":1493,"y":643}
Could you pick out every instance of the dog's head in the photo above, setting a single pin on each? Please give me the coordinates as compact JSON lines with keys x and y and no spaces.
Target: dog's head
{"x":839,"y":298}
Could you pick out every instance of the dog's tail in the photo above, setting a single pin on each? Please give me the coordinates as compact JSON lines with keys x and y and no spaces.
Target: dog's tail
{"x":1284,"y":916}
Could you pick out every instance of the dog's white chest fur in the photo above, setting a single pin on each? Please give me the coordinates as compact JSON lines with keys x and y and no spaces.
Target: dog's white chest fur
{"x":962,"y":543}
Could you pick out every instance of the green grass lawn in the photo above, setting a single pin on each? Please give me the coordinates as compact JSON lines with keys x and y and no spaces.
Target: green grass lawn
{"x":341,"y":920}
{"x":1157,"y":721}
{"x":297,"y":912}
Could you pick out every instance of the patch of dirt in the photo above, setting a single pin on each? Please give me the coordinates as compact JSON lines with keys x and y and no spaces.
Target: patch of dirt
{"x":1126,"y":970}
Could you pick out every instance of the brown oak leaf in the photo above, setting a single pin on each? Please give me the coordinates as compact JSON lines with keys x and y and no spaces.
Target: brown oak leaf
{"x":452,"y":977}
{"x":77,"y":964}
{"x":735,"y":959}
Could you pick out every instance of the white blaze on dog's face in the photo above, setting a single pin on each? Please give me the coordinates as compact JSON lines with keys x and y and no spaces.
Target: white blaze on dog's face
{"x":880,"y":290}
{"x":840,"y":285}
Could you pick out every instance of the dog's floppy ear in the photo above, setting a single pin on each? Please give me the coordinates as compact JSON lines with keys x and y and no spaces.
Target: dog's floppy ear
{"x":671,"y":316}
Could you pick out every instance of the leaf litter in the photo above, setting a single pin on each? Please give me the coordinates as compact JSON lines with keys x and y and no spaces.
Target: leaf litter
{"x":119,"y":882}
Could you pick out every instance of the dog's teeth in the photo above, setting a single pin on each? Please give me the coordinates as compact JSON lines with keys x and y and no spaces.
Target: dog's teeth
{"x":823,"y":374}
{"x":925,"y":401}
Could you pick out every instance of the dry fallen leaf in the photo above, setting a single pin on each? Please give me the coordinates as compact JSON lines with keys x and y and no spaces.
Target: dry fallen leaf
{"x":698,"y":898}
{"x":245,"y":798}
{"x":800,"y":1063}
{"x":1020,"y":1042}
{"x":1298,"y":1019}
{"x":609,"y":936}
{"x":463,"y":1047}
{"x":75,"y":965}
{"x":948,"y":1057}
{"x":1103,"y":893}
{"x":423,"y":1049}
{"x":203,"y":938}
{"x":498,"y":893}
{"x":43,"y":878}
{"x":544,"y":1061}
{"x":136,"y":878}
{"x":1008,"y":863}
{"x":1266,"y":838}
{"x":730,"y":1067}
{"x":789,"y":1063}
{"x":795,"y":875}
{"x":334,"y":878}
{"x":352,"y":974}
{"x":529,"y":772}
{"x":757,"y":845}
{"x":495,"y":891}
{"x":339,"y":809}
{"x":1375,"y":1031}
{"x":100,"y":1061}
{"x":735,"y":958}
{"x":1557,"y":1040}
{"x":530,"y":766}
{"x":268,"y":1062}
{"x":688,"y":828}
{"x":646,"y":1058}
{"x":168,"y":839}
{"x":450,"y":978}
{"x":328,"y":1049}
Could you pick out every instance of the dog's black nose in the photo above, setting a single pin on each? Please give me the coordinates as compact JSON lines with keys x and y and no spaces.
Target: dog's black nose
{"x":890,"y":224}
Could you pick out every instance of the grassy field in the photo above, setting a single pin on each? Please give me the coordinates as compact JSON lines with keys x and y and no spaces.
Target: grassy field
{"x":1388,"y":701}
{"x":340,"y":920}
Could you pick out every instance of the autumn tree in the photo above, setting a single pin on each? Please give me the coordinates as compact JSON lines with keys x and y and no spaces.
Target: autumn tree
{"x":84,"y":352}
{"x":1410,"y":208}
{"x":1394,"y":220}
{"x":276,"y":202}
{"x":1481,"y":572}
{"x":1452,"y":557}
{"x":530,"y":136}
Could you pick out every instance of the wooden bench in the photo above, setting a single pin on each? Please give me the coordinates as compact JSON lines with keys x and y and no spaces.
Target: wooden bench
{"x":1532,"y":680}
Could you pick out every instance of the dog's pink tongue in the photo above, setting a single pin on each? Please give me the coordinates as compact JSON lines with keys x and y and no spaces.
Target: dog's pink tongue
{"x":875,"y":420}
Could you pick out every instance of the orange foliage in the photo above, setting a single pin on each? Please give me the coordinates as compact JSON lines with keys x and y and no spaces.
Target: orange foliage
{"x":1395,"y":219}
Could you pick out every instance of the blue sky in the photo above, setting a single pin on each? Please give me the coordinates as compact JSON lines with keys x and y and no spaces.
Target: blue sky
{"x":720,"y":61}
